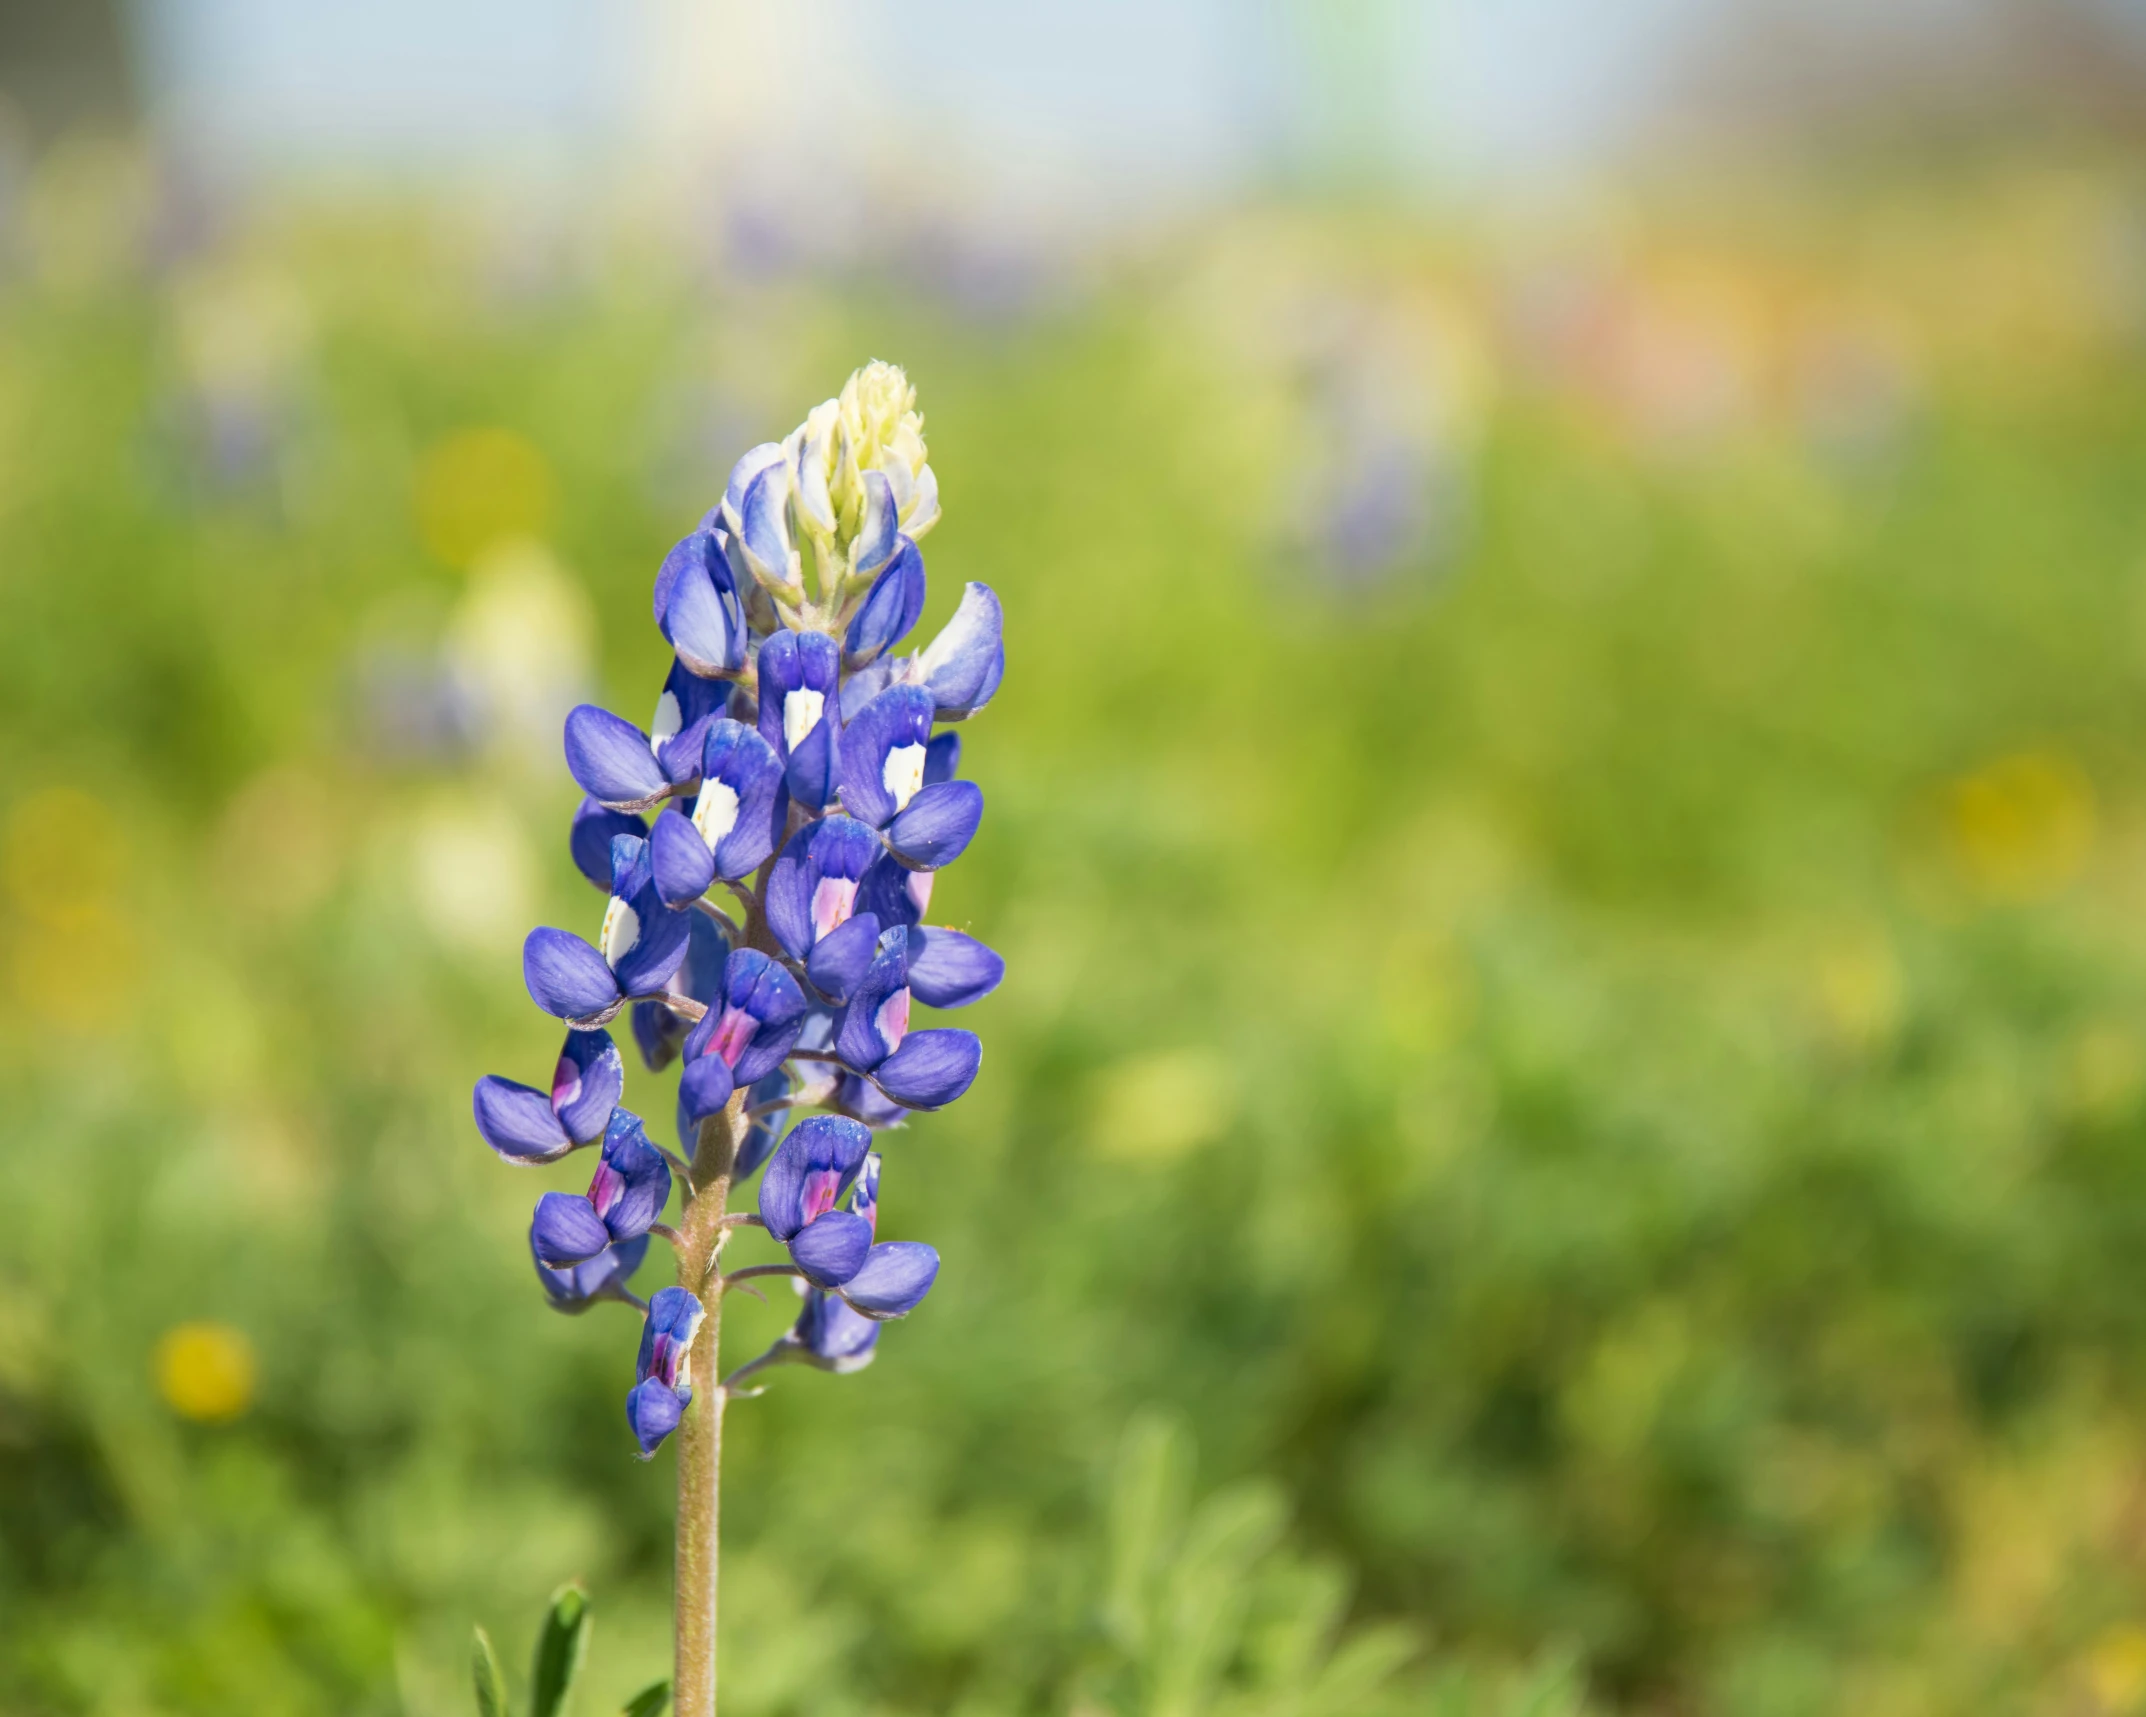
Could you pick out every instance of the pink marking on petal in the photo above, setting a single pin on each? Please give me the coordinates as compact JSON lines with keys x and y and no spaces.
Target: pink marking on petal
{"x":565,"y":1082}
{"x":822,"y":1188}
{"x":732,"y":1035}
{"x":832,"y":903}
{"x":608,"y":1187}
{"x":892,"y":1020}
{"x":919,"y":885}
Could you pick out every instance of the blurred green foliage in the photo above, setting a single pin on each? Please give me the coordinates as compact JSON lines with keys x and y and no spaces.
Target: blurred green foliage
{"x":1597,"y":1083}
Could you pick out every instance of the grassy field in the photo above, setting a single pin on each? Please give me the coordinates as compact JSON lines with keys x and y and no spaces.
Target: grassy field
{"x":1568,"y":1120}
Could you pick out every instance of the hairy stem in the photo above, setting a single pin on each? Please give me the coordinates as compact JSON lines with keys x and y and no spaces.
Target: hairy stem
{"x":700,"y":1435}
{"x":702,"y":1229}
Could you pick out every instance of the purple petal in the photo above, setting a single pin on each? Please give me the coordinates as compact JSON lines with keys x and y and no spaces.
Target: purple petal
{"x":653,"y":1412}
{"x":876,"y":1020}
{"x":861,"y":1100}
{"x":576,"y":1288}
{"x":763,"y":533}
{"x":683,"y":866}
{"x":890,"y":611}
{"x":517,"y":1122}
{"x":839,"y":961}
{"x":674,"y":1319}
{"x":658,"y":1032}
{"x":931,"y":1068}
{"x":897,"y":725}
{"x":702,"y":617}
{"x":950,"y":970}
{"x":658,"y":946}
{"x":744,"y":799}
{"x":831,"y":1249}
{"x":633,"y":1179}
{"x":567,"y":978}
{"x":942,"y":759}
{"x":961,"y":667}
{"x":703,"y":1088}
{"x":587,"y":1083}
{"x":894,"y":1277}
{"x":812,"y":774}
{"x":595,"y":825}
{"x":612,"y":759}
{"x":819,"y":1145}
{"x":688,"y":706}
{"x":566,"y":1231}
{"x":893,"y":893}
{"x":833,"y":1337}
{"x":879,"y":530}
{"x":938,"y":825}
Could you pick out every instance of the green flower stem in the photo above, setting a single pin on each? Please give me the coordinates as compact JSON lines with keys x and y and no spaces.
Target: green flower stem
{"x":702,"y":1232}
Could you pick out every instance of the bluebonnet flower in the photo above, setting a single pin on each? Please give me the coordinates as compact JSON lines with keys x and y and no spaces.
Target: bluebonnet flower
{"x":768,"y":847}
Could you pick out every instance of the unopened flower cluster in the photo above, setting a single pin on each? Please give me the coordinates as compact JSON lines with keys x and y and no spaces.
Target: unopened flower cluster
{"x":797,"y":773}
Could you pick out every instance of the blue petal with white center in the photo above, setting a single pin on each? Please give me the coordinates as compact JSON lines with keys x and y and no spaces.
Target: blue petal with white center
{"x":614,"y":761}
{"x":890,"y":611}
{"x":595,"y":826}
{"x":931,"y":1069}
{"x":893,"y":1279}
{"x":937,"y":826}
{"x":643,"y":939}
{"x":800,"y":710}
{"x":812,"y":890}
{"x":569,"y":979}
{"x":744,"y":800}
{"x":961,"y":668}
{"x":683,"y":713}
{"x":884,"y":754}
{"x":950,"y":970}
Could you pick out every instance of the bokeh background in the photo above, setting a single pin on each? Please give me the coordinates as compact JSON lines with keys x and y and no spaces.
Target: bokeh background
{"x":1567,"y":1128}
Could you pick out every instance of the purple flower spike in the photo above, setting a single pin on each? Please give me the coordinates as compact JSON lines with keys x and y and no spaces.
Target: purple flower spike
{"x":830,"y":1249}
{"x":891,"y":611}
{"x":832,"y":1337}
{"x":643,"y":939}
{"x":893,"y":893}
{"x":938,"y":825}
{"x":595,"y":826}
{"x":950,"y":970}
{"x":811,"y":1172}
{"x":876,"y":1021}
{"x":653,"y":1412}
{"x":800,"y":710}
{"x":812,"y":890}
{"x":683,"y":866}
{"x":674,"y":1319}
{"x":702,"y":616}
{"x":744,"y":799}
{"x":566,"y":1231}
{"x":568,"y":979}
{"x":962,"y":667}
{"x":757,"y":1021}
{"x":883,"y":754}
{"x":684,"y":712}
{"x":840,"y":959}
{"x":893,"y":1279}
{"x":614,"y":761}
{"x":602,"y":1277}
{"x":633,"y":1180}
{"x":931,"y":1069}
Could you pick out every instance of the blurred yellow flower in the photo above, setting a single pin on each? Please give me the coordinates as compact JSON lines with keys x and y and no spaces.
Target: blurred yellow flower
{"x":1859,"y":988}
{"x":480,"y":487}
{"x":2116,"y":1669}
{"x":205,"y":1371}
{"x":2022,"y":827}
{"x":61,"y":860}
{"x":1160,"y":1106}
